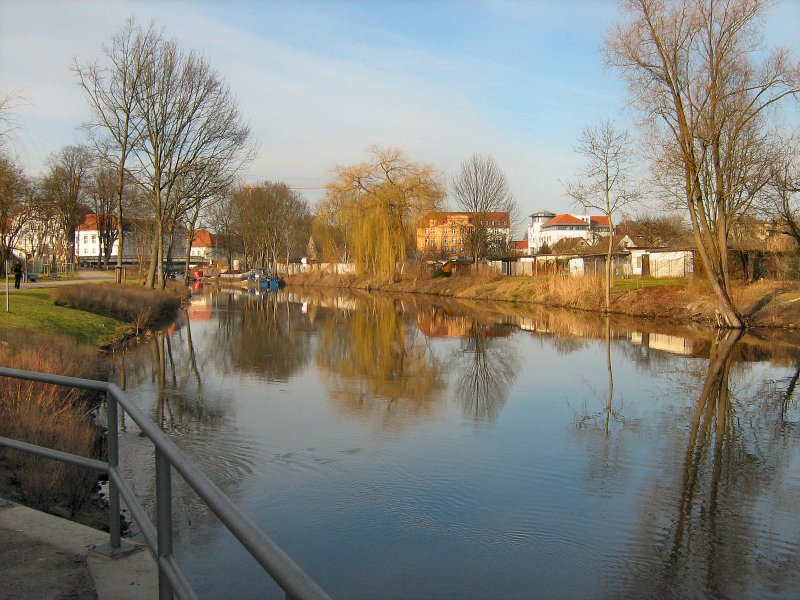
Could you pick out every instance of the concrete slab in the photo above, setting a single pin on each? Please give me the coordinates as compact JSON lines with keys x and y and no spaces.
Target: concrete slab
{"x":44,"y":556}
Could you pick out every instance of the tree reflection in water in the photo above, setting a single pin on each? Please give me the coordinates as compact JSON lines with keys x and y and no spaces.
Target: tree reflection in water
{"x":375,"y":362}
{"x":487,"y":366}
{"x":265,"y":335}
{"x":703,"y":531}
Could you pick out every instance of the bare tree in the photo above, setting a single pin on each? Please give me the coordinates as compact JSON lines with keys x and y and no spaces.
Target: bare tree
{"x":481,"y":187}
{"x":226,"y":227}
{"x":782,"y":202}
{"x":14,"y":188}
{"x":102,"y":193}
{"x":274,"y":221}
{"x":8,"y":120}
{"x":63,"y":187}
{"x":111,"y":89}
{"x":691,"y":70}
{"x":655,"y":231}
{"x":191,"y":139}
{"x":605,"y":183}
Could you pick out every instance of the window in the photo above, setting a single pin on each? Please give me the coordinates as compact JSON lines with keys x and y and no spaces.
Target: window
{"x":94,"y":239}
{"x":86,"y":239}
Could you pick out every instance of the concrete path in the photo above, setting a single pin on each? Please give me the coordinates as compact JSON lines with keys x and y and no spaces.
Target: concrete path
{"x":43,"y":557}
{"x":81,"y":276}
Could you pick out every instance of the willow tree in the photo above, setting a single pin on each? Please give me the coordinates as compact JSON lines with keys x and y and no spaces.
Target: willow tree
{"x":381,"y":200}
{"x":691,"y":70}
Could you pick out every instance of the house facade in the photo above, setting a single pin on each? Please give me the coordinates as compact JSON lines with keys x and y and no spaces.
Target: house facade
{"x":548,"y":229}
{"x":136,"y":247}
{"x":204,"y":248}
{"x":448,"y":232}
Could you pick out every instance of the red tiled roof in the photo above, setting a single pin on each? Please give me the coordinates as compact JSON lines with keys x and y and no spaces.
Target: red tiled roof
{"x":565,"y":220}
{"x":599,"y":220}
{"x":202,"y":239}
{"x":90,"y":222}
{"x":520,"y":244}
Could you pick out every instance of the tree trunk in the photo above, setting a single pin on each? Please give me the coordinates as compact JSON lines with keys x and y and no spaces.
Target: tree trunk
{"x":151,"y":270}
{"x":120,"y":186}
{"x":727,"y":315}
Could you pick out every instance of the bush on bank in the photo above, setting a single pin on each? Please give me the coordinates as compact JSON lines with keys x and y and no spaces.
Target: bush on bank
{"x":47,"y":415}
{"x":142,"y":307}
{"x":41,"y":336}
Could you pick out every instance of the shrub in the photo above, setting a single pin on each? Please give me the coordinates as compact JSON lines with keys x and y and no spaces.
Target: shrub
{"x":48,"y":415}
{"x":143,"y":306}
{"x":582,"y":292}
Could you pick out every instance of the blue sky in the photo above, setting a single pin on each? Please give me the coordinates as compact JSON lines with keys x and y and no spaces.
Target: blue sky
{"x":320,"y":82}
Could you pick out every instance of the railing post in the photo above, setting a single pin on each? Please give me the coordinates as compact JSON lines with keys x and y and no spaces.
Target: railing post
{"x":113,"y":465}
{"x":163,"y":521}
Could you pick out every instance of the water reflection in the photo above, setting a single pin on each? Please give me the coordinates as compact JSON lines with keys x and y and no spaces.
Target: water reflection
{"x":710,"y":520}
{"x":374,"y":361}
{"x":487,"y":364}
{"x":338,"y":420}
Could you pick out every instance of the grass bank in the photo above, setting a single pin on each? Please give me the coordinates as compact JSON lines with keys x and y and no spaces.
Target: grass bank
{"x":35,"y":310}
{"x":764,"y":304}
{"x":53,"y":331}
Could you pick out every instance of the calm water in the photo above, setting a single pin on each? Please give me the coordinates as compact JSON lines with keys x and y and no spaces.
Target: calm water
{"x":408,"y":448}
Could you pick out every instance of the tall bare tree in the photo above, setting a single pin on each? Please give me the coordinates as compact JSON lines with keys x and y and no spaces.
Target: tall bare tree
{"x":605,"y":183}
{"x":191,"y":140}
{"x":111,"y":89}
{"x":481,"y":187}
{"x":692,"y":72}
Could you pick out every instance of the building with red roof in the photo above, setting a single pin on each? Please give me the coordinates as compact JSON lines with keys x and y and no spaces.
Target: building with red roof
{"x":90,"y":245}
{"x":548,"y":229}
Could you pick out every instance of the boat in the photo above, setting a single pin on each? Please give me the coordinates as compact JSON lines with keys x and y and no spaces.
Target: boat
{"x":269,"y":282}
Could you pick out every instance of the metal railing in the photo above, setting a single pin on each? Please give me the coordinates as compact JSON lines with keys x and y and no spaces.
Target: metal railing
{"x":284,"y":571}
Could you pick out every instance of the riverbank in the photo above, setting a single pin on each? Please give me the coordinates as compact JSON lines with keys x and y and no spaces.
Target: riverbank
{"x":65,"y":331}
{"x":764,"y":304}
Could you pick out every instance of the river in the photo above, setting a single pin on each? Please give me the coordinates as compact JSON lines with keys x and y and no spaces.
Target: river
{"x":415,"y":447}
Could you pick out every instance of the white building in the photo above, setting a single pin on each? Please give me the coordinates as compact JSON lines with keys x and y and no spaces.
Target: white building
{"x":549,"y":228}
{"x":137,"y":247}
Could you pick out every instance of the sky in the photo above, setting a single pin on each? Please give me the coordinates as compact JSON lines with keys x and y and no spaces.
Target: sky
{"x":320,"y":82}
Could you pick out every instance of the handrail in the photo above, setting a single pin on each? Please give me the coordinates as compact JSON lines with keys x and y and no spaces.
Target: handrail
{"x":283,"y":570}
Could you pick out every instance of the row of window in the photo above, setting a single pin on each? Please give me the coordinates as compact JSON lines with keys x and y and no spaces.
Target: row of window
{"x":445,"y":241}
{"x":432,"y":230}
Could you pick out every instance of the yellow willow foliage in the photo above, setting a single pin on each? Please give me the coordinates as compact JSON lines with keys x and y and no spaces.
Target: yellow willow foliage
{"x":372,"y":353}
{"x":375,"y":206}
{"x":325,"y":237}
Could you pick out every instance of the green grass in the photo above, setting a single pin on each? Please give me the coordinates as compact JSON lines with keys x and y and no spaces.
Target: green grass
{"x":635,"y":283}
{"x":35,"y":310}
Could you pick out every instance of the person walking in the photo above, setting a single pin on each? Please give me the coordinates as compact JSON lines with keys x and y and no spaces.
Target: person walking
{"x":17,"y":274}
